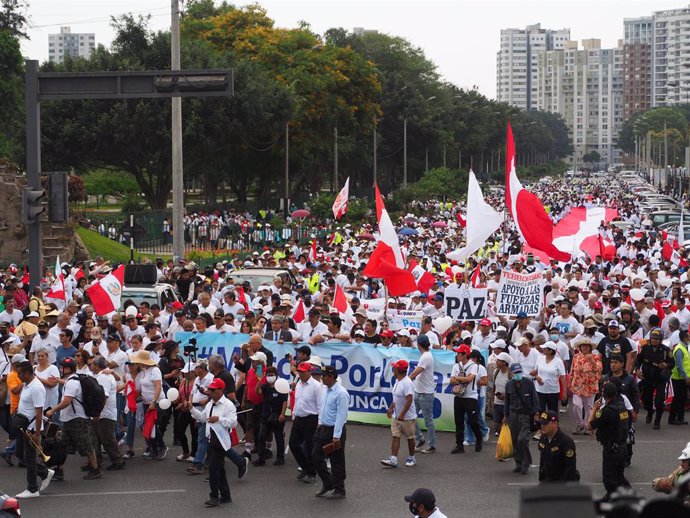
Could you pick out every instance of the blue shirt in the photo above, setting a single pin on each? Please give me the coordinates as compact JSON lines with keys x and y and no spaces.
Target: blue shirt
{"x":62,"y":353}
{"x":334,"y":405}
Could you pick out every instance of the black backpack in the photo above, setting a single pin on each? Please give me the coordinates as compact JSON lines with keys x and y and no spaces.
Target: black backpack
{"x":93,"y":395}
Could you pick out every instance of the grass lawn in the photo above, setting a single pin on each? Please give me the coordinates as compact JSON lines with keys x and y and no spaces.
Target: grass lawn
{"x":107,"y":248}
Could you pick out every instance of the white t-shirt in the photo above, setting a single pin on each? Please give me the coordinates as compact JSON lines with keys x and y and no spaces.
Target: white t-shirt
{"x":129,"y":333}
{"x":75,"y":410}
{"x":401,"y":390}
{"x":528,"y":362}
{"x":50,"y":343}
{"x":101,"y":348}
{"x":549,"y":373}
{"x":197,"y":396}
{"x":465,"y":370}
{"x":52,"y":394}
{"x":32,"y":396}
{"x":567,"y":326}
{"x":120,"y":357}
{"x":13,"y":319}
{"x":425,"y":383}
{"x":500,"y":387}
{"x":107,"y":381}
{"x":481,"y":372}
{"x":145,"y":386}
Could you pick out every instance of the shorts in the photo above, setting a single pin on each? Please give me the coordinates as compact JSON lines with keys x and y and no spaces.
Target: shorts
{"x":254,"y":416}
{"x":400,"y":428}
{"x":76,"y":435}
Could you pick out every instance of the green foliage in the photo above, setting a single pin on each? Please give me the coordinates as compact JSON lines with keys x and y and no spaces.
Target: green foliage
{"x":652,"y":122}
{"x":99,"y":245}
{"x":321,"y":208}
{"x":593,"y":157}
{"x":11,"y":94}
{"x":439,"y":182}
{"x":12,"y":19}
{"x":109,"y":182}
{"x":132,"y":203}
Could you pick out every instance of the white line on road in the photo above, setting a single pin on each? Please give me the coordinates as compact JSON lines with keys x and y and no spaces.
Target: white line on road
{"x":153,"y":491}
{"x":583,"y":483}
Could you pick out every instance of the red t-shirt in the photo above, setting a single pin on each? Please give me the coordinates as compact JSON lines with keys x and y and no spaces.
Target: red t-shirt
{"x":252,"y":380}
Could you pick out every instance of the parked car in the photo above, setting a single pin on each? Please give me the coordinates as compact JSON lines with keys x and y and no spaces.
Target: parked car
{"x":659,"y":218}
{"x":257,"y":276}
{"x":152,"y":293}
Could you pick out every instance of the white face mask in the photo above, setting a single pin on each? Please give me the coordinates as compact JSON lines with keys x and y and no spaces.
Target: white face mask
{"x":271,"y":379}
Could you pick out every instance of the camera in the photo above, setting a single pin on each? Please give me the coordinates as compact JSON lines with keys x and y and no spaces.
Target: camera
{"x":191,"y":349}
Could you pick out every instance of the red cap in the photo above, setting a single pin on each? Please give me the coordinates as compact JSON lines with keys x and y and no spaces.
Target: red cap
{"x":463,"y":349}
{"x":177,"y":305}
{"x":401,"y":365}
{"x":597,"y":305}
{"x":666,"y":303}
{"x":217,"y":383}
{"x":485,"y":322}
{"x":387,"y":333}
{"x":304,"y":367}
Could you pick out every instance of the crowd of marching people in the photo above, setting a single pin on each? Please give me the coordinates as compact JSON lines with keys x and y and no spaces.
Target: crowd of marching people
{"x":612,"y":335}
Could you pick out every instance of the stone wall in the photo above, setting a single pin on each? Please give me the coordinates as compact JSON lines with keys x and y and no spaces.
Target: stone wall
{"x":58,"y":238}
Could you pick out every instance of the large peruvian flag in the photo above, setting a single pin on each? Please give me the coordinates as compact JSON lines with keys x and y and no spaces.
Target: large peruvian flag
{"x":532,"y":221}
{"x":579,"y":230}
{"x":386,"y":261}
{"x":425,"y":281}
{"x":105,"y":294}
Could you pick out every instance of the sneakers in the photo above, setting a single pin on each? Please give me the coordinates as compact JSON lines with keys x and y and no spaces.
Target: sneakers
{"x":259,"y":462}
{"x":467,"y":443}
{"x":323,"y":492}
{"x":242,"y":468}
{"x":279,"y":461}
{"x":129,"y":455}
{"x":391,"y":462}
{"x":59,"y":474}
{"x":411,"y":462}
{"x":419,"y":445}
{"x":93,"y":474}
{"x":7,"y":457}
{"x":309,"y":479}
{"x":28,"y":494}
{"x":46,"y":481}
{"x":430,"y":449}
{"x":486,"y":436}
{"x":116,"y":466}
{"x":162,"y":454}
{"x":212,"y":502}
{"x":335,"y":495}
{"x":457,"y":449}
{"x":122,"y":439}
{"x":563,"y":410}
{"x":195,"y":470}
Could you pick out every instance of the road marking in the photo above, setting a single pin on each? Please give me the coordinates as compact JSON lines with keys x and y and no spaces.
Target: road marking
{"x":583,"y":483}
{"x":154,"y":491}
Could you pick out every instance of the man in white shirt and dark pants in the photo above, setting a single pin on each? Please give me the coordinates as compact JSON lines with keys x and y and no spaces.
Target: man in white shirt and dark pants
{"x":29,"y":418}
{"x":425,"y":387}
{"x":220,"y":416}
{"x":305,"y":419}
{"x":103,"y":427}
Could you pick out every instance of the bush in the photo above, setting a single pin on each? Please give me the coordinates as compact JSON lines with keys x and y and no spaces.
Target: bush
{"x":133,"y":203}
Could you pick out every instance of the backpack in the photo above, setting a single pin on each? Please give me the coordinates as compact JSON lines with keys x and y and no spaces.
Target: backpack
{"x":93,"y":395}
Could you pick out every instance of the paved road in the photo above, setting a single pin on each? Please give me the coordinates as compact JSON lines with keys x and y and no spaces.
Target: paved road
{"x":472,"y":481}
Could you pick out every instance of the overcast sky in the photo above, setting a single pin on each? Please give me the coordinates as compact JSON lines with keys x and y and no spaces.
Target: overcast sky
{"x":460,"y":36}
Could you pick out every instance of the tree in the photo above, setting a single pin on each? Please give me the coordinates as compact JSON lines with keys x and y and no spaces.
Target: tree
{"x":593,"y":157}
{"x":12,"y":19}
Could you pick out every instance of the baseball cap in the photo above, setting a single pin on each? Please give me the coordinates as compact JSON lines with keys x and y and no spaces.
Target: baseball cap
{"x":305,"y":349}
{"x":465,"y":334}
{"x":504,"y":357}
{"x":424,"y":497}
{"x":499,"y":344}
{"x":485,"y":322}
{"x":401,"y":364}
{"x":304,"y":367}
{"x":424,"y":296}
{"x":359,"y":332}
{"x":217,"y":383}
{"x":550,"y":345}
{"x":522,"y":314}
{"x":403,"y":332}
{"x":548,"y":417}
{"x":464,"y":349}
{"x":32,"y":314}
{"x":113,"y":337}
{"x":423,"y":340}
{"x":515,"y":368}
{"x":387,"y":334}
{"x":18,"y":358}
{"x":613,"y":323}
{"x":258,"y":356}
{"x":589,"y":323}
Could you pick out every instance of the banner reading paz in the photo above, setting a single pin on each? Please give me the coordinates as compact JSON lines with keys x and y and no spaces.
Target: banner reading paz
{"x":465,"y":303}
{"x":519,"y":292}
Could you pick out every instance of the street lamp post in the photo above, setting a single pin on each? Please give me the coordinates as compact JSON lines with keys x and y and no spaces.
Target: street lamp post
{"x":405,"y":151}
{"x":286,"y":180}
{"x":335,"y":159}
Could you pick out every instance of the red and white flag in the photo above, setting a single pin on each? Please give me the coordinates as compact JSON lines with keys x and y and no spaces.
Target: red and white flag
{"x":105,"y":294}
{"x":242,"y":297}
{"x":340,"y":202}
{"x":532,"y":222}
{"x":424,"y":279}
{"x":386,"y":261}
{"x":79,"y":274}
{"x":57,"y":289}
{"x":312,"y":252}
{"x":475,"y":278}
{"x":340,"y":302}
{"x":607,"y":248}
{"x":671,"y":254}
{"x":299,"y":315}
{"x":462,"y":221}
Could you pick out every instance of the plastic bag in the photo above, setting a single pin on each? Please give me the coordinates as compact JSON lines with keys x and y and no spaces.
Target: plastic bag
{"x":504,"y":447}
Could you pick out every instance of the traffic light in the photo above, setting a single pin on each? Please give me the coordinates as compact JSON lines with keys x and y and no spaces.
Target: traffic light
{"x":59,"y":208}
{"x":32,"y":204}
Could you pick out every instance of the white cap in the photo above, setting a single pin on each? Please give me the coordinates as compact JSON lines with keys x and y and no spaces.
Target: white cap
{"x":403,"y":332}
{"x":259,"y":357}
{"x":315,"y":360}
{"x":188,"y":367}
{"x":32,"y":314}
{"x":505,"y":357}
{"x":550,"y":345}
{"x":465,"y":334}
{"x":499,"y":343}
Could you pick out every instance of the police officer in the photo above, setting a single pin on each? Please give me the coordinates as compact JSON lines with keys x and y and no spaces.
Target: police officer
{"x":610,"y":420}
{"x":558,"y":462}
{"x":655,"y":362}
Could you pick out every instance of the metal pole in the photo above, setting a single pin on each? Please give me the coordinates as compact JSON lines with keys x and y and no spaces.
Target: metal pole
{"x":665,"y":157}
{"x":131,"y":238}
{"x":177,"y":170}
{"x":33,"y":166}
{"x":286,"y":191}
{"x":405,"y":152}
{"x":335,"y":159}
{"x":375,"y":158}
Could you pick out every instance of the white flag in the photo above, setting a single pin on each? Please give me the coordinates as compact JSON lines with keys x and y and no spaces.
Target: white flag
{"x":340,"y":202}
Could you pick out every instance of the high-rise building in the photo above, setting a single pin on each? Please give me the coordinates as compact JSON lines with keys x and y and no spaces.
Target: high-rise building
{"x":585,"y":86}
{"x":68,"y":43}
{"x":638,"y":65}
{"x":516,"y":62}
{"x":671,"y":66}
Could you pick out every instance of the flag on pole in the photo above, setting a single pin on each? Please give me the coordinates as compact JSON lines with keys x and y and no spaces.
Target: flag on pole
{"x":475,"y":278}
{"x":670,"y":254}
{"x":300,"y":314}
{"x":462,"y":221}
{"x":242,"y":297}
{"x":57,"y":289}
{"x":340,"y":302}
{"x":105,"y":294}
{"x":340,"y":202}
{"x":607,"y":249}
{"x":532,"y":222}
{"x":312,"y":252}
{"x":387,"y":232}
{"x":481,"y":223}
{"x":423,"y":278}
